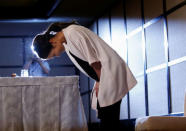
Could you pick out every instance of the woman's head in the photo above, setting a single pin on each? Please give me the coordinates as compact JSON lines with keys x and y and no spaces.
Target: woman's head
{"x":41,"y":44}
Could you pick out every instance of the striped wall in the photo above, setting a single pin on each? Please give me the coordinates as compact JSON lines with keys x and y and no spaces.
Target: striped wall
{"x":149,"y":36}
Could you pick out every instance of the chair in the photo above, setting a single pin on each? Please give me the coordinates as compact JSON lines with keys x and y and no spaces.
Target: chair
{"x":162,"y":123}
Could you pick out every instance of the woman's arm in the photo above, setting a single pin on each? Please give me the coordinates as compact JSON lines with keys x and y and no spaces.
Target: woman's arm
{"x":97,"y":68}
{"x":27,"y":65}
{"x":42,"y":66}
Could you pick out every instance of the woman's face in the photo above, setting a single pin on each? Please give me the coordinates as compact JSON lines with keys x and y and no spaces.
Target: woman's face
{"x":55,"y":51}
{"x":57,"y":45}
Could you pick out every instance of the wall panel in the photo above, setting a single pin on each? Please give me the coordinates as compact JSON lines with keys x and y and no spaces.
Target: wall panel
{"x":171,"y":3}
{"x":152,"y":9}
{"x":176,"y":31}
{"x":155,"y":44}
{"x":118,"y":31}
{"x":178,"y":84}
{"x":157,"y":92}
{"x":135,"y":54}
{"x":28,"y":50}
{"x":11,"y":52}
{"x":22,"y":29}
{"x":137,"y":99}
{"x":62,"y":71}
{"x":83,"y":82}
{"x":6,"y":72}
{"x":104,"y":29}
{"x":124,"y":109}
{"x":133,"y":14}
{"x":93,"y":27}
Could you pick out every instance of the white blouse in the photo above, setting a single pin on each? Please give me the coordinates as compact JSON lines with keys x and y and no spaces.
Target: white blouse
{"x":116,"y":78}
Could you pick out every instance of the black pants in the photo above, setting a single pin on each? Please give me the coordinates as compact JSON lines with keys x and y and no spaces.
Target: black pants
{"x":109,"y":117}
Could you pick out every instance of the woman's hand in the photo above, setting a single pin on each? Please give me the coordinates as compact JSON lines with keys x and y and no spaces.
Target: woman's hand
{"x":96,"y":88}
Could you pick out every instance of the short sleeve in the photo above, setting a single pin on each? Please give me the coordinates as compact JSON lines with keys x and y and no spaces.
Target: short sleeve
{"x":86,"y":45}
{"x":45,"y":63}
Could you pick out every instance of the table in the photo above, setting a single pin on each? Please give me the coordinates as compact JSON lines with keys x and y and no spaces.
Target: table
{"x":41,"y":104}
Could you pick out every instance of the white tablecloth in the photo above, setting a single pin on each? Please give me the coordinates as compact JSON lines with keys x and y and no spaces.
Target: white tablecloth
{"x":41,"y":104}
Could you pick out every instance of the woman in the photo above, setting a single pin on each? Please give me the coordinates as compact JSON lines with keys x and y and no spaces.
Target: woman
{"x":37,"y":67}
{"x":94,"y":58}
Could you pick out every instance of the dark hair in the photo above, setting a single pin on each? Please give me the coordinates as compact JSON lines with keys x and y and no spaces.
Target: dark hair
{"x":41,"y":44}
{"x":58,"y":26}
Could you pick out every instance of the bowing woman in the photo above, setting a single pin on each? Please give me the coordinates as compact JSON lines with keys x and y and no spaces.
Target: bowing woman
{"x":91,"y":55}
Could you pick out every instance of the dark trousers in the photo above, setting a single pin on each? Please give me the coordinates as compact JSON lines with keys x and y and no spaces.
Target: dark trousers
{"x":109,"y":117}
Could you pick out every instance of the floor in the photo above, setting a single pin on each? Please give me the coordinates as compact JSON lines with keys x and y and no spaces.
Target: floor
{"x":125,"y":125}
